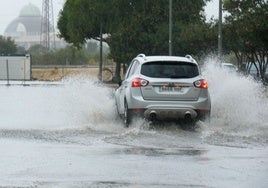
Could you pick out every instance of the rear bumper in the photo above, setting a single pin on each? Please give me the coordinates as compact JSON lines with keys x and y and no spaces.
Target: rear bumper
{"x":174,"y":110}
{"x":158,"y":113}
{"x":176,"y":114}
{"x":173,"y":114}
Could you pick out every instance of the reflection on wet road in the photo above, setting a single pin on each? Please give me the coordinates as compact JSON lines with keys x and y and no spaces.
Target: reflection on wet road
{"x":156,"y":152}
{"x":89,"y":158}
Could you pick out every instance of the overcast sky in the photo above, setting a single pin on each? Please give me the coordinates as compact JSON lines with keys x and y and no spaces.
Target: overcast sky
{"x":10,"y":9}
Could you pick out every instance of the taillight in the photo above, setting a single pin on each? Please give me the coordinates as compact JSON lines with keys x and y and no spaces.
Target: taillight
{"x":201,"y":84}
{"x":139,"y":82}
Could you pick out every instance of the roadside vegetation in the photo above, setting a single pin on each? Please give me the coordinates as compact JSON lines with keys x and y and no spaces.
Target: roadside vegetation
{"x":7,"y":45}
{"x":70,"y":55}
{"x":245,"y":34}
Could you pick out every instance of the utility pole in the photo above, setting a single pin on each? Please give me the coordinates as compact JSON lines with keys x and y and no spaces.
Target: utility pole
{"x":47,"y":24}
{"x":170,"y":28}
{"x":101,"y":63}
{"x":220,"y":32}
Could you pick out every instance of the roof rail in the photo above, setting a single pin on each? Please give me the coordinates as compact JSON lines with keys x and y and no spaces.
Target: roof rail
{"x":189,"y":56}
{"x":141,"y":55}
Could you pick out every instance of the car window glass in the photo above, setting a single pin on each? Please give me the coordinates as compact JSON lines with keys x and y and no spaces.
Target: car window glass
{"x":128,"y":70}
{"x":162,"y":69}
{"x":133,"y":68}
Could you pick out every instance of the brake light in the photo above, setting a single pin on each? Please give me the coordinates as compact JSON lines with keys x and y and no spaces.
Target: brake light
{"x":139,"y":82}
{"x":201,"y":84}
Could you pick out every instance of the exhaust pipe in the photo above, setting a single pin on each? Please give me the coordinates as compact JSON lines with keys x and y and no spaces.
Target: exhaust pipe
{"x":152,"y":116}
{"x":188,"y":117}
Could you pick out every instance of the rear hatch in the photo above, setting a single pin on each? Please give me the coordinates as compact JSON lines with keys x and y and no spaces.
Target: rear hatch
{"x":170,"y":81}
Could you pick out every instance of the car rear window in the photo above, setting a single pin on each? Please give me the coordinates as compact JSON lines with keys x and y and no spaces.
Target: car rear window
{"x":166,"y":69}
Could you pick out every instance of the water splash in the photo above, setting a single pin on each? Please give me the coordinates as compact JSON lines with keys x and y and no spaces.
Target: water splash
{"x":239,"y":106}
{"x":239,"y":103}
{"x":73,"y":103}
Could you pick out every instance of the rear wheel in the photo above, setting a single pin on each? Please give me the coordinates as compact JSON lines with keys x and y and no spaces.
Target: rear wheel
{"x":127,"y":115}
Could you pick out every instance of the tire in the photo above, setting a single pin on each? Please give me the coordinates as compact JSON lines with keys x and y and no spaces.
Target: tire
{"x":119,"y":116}
{"x":127,"y":116}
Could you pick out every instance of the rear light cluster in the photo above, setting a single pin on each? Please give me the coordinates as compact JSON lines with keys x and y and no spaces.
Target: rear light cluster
{"x":139,"y":82}
{"x":201,"y":84}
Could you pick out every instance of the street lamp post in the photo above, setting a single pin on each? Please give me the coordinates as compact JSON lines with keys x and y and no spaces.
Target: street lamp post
{"x":170,"y":28}
{"x":100,"y":64}
{"x":220,"y":32}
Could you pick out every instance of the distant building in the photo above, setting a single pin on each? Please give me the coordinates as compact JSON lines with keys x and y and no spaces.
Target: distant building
{"x":25,"y":30}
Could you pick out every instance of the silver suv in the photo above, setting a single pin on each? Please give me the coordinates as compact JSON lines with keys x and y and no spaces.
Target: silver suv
{"x":163,"y":88}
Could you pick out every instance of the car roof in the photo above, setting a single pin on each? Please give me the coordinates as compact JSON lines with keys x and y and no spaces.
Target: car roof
{"x":143,"y":59}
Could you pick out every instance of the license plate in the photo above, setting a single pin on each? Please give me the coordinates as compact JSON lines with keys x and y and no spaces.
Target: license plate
{"x":169,"y":89}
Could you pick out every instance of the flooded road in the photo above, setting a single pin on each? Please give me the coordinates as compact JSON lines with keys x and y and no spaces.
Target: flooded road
{"x":162,"y":158}
{"x":68,"y":135}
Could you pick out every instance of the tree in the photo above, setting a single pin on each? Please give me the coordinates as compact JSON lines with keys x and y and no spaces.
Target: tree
{"x":139,"y":26}
{"x":246,"y":28}
{"x":80,"y":20}
{"x":7,"y":45}
{"x":201,"y":39}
